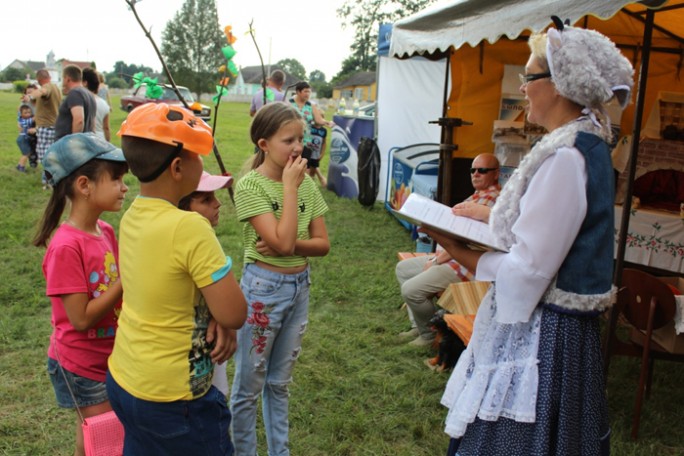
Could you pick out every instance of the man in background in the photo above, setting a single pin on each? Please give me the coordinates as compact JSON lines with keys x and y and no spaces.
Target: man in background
{"x":77,"y":111}
{"x":274,"y":92}
{"x":421,"y":278}
{"x":46,"y":100}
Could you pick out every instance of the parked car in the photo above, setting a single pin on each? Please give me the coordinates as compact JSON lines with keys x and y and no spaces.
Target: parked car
{"x":129,"y":102}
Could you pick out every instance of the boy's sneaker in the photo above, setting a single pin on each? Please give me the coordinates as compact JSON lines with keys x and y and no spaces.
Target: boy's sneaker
{"x":21,"y":169}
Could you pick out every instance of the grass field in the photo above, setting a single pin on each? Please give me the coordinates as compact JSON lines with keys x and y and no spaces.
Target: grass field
{"x":357,"y":389}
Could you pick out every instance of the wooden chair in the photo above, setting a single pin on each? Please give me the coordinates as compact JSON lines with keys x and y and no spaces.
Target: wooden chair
{"x":647,"y":304}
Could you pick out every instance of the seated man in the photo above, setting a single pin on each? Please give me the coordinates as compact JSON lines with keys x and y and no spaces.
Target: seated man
{"x":421,"y":278}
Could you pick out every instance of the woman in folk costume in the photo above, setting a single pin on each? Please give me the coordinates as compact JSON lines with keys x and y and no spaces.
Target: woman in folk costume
{"x":531,"y":380}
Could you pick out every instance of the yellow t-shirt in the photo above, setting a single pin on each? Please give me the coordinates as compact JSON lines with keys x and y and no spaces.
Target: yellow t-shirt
{"x":165,"y":255}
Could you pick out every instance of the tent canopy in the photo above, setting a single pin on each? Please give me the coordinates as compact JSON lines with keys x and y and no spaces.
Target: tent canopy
{"x":451,"y":24}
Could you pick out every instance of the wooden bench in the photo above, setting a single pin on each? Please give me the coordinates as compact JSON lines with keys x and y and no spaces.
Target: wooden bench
{"x":461,"y":325}
{"x":407,"y":255}
{"x":462,"y":301}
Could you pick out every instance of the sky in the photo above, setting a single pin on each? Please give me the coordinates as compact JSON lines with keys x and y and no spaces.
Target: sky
{"x":106,"y":31}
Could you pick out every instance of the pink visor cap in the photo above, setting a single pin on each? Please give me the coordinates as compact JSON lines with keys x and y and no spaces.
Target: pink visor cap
{"x":211,"y":183}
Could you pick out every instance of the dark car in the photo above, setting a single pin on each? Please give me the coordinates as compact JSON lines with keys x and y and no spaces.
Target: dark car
{"x":129,"y":102}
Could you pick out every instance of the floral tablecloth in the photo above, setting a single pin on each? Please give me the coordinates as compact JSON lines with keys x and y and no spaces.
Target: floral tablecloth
{"x":656,"y":239}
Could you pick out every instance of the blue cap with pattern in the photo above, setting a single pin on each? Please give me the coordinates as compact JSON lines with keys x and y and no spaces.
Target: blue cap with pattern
{"x":71,"y":152}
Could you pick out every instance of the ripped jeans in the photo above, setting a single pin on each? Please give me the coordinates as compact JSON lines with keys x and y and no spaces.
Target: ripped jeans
{"x":268,"y":346}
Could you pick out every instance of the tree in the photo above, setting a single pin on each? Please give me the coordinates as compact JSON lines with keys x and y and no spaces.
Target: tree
{"x":316,"y":76}
{"x":292,"y":67}
{"x":317,"y":80}
{"x":365,"y":17}
{"x":115,"y":82}
{"x":191,"y":46}
{"x":13,"y":74}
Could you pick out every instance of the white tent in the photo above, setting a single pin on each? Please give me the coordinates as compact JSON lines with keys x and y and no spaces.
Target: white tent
{"x":410,"y":94}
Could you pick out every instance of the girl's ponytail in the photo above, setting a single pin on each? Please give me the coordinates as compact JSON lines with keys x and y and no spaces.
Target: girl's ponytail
{"x":53,"y":212}
{"x":258,"y":157}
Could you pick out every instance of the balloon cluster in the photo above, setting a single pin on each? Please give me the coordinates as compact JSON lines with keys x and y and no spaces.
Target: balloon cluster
{"x":229,"y":68}
{"x":154,"y":90}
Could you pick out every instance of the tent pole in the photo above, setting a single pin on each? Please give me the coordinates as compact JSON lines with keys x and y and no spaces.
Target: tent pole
{"x":627,"y":203}
{"x":447,"y":72}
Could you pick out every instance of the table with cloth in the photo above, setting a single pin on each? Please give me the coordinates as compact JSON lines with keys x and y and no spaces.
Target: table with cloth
{"x":655,"y":238}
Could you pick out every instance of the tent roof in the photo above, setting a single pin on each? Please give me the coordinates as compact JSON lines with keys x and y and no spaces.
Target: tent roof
{"x":453,"y":23}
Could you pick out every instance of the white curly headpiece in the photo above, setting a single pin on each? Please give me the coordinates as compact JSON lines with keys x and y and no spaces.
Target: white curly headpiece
{"x":586,"y":67}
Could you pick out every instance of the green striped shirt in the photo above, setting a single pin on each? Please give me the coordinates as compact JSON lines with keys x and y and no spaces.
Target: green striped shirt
{"x":256,"y":194}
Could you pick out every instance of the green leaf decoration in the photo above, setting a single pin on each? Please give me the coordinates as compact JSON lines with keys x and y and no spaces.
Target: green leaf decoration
{"x":220,"y":91}
{"x":232,"y":68}
{"x":138,"y":79}
{"x":153,"y":90}
{"x":228,"y":52}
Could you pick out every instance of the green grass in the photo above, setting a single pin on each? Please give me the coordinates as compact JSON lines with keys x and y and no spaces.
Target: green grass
{"x":357,"y":390}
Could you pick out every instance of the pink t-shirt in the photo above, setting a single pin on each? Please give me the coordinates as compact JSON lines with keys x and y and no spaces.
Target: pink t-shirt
{"x":78,"y":262}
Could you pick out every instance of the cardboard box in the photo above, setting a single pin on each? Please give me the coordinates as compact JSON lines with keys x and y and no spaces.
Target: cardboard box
{"x":463,"y":298}
{"x":666,"y":336}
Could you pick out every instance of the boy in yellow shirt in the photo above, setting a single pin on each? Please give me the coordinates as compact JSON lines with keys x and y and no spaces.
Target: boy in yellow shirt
{"x":176,"y":279}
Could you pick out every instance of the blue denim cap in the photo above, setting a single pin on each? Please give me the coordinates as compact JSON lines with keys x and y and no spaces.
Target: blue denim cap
{"x":70,"y":152}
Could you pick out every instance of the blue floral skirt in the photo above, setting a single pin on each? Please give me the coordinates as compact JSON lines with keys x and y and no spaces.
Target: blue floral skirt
{"x":571,"y":411}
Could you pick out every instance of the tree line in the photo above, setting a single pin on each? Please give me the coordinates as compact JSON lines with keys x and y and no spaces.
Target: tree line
{"x":192,"y":41}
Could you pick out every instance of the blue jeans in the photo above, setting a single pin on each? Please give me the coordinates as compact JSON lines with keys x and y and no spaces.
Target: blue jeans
{"x":199,"y":426}
{"x":268,"y":346}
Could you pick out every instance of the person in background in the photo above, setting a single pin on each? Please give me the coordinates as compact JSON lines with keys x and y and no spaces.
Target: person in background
{"x":531,"y":380}
{"x":92,"y":83}
{"x":274,"y":91}
{"x":78,"y":109}
{"x":47,"y":99}
{"x":282,"y":211}
{"x":182,"y":300}
{"x":421,"y":278}
{"x":103,"y":90}
{"x":81,"y":269}
{"x":203,"y":201}
{"x":26,"y":138}
{"x":313,"y":145}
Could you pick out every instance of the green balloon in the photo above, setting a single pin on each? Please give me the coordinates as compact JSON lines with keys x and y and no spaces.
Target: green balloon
{"x":228,"y":52}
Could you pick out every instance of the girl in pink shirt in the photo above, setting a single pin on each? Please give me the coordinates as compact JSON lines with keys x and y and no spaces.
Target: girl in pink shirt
{"x":81,"y":269}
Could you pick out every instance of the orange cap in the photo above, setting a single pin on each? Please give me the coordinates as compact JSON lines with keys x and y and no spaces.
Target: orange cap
{"x":167,"y":124}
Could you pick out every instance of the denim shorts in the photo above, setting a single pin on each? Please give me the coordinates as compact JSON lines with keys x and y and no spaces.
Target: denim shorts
{"x":87,"y":392}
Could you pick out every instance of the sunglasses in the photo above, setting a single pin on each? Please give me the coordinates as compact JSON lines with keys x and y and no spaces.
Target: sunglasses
{"x":482,"y":170}
{"x":527,"y":78}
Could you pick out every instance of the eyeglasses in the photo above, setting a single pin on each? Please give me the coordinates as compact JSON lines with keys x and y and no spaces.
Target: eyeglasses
{"x":527,"y":78}
{"x":482,"y":170}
